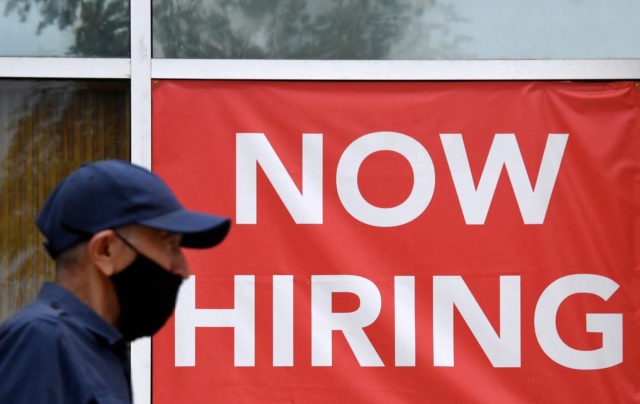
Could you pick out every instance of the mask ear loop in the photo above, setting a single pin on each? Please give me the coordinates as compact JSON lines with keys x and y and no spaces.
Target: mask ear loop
{"x":127,"y":242}
{"x":130,"y":245}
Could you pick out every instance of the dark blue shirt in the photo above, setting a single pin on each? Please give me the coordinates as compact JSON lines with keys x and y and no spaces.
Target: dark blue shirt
{"x":58,"y":350}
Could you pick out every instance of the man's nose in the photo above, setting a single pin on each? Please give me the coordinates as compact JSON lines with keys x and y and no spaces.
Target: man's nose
{"x":179,"y":266}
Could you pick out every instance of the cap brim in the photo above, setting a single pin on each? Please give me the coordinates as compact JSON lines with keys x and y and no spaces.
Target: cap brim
{"x":199,"y":230}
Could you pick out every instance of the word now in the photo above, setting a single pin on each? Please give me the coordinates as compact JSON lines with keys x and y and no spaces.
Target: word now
{"x":449,"y":292}
{"x":253,"y":149}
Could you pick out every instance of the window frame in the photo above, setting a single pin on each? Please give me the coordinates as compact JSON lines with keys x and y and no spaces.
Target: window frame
{"x":140,"y":69}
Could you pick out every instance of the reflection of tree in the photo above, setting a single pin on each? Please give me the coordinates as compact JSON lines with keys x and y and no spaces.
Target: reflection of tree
{"x":48,"y":129}
{"x":361,"y":29}
{"x":281,"y":29}
{"x":246,"y":29}
{"x":101,"y":27}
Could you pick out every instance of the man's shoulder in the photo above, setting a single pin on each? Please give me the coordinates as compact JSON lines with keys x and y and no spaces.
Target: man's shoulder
{"x":52,"y":346}
{"x":30,"y":342}
{"x":35,"y":320}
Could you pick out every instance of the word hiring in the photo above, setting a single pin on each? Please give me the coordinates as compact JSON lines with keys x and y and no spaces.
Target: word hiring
{"x":449,"y":292}
{"x":305,"y":206}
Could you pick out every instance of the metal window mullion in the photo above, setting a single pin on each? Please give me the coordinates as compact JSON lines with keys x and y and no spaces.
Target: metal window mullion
{"x":141,"y":82}
{"x":67,"y":68}
{"x":597,"y":69}
{"x":141,"y":154}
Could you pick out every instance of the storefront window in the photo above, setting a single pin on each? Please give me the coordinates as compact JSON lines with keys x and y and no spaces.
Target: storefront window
{"x":48,"y":128}
{"x":396,"y":29}
{"x":93,"y":28}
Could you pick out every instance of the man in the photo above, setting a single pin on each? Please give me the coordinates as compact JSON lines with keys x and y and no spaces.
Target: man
{"x":115,"y":231}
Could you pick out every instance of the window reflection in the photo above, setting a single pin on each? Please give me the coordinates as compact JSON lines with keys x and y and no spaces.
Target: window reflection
{"x":91,"y":28}
{"x":259,"y":29}
{"x":47,"y":129}
{"x":396,"y":29}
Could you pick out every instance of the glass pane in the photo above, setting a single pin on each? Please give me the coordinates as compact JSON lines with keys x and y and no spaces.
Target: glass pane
{"x":47,"y":128}
{"x":91,"y":28}
{"x":396,"y":29}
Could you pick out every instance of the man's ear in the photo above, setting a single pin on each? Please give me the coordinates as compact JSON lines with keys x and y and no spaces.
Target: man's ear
{"x":103,"y":251}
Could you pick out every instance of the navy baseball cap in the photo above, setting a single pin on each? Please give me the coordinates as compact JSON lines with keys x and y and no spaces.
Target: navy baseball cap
{"x":111,"y":193}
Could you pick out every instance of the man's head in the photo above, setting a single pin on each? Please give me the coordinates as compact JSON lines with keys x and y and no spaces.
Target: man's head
{"x":115,"y":231}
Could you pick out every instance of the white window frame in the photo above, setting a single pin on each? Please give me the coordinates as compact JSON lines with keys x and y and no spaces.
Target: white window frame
{"x":140,"y":69}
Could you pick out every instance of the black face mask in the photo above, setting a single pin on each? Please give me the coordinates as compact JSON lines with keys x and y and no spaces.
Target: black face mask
{"x":147,"y":294}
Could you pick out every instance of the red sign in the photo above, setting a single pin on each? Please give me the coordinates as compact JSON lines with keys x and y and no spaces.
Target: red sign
{"x":404,"y":241}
